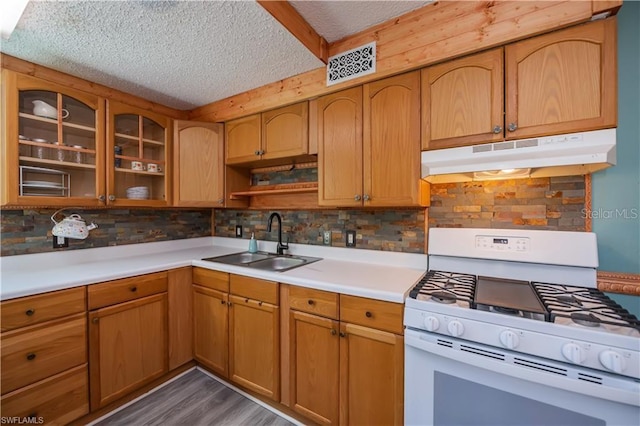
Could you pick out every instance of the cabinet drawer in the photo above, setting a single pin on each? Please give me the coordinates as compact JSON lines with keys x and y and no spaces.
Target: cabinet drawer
{"x":112,"y":292}
{"x":254,"y":288}
{"x":324,"y":303}
{"x":385,"y":316}
{"x":40,"y":351}
{"x":56,"y":400}
{"x":213,"y":279}
{"x":43,"y":307}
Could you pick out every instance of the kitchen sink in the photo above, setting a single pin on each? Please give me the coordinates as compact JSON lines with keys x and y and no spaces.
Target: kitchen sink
{"x":279,"y":263}
{"x":264,"y":261}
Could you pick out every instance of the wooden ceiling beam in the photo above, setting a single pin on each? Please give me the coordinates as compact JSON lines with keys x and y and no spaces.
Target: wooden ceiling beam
{"x":289,"y":17}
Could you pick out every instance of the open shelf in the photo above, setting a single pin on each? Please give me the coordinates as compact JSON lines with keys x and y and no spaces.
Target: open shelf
{"x":286,"y":188}
{"x":65,"y":164}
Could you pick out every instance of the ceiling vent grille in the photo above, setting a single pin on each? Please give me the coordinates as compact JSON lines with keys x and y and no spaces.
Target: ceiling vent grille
{"x":352,"y":64}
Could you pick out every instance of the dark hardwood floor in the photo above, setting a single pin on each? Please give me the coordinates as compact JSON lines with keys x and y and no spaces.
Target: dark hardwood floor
{"x":194,"y":399}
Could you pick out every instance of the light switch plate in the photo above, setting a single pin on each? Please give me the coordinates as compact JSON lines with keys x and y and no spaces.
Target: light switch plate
{"x":326,"y":238}
{"x":238,"y":231}
{"x":351,"y":238}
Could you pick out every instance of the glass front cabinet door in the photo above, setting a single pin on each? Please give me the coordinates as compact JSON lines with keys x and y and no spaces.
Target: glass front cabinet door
{"x":52,"y":144}
{"x":137,"y":157}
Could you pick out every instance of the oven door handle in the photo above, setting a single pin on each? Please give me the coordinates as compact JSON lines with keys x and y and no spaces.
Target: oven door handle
{"x":630,"y":397}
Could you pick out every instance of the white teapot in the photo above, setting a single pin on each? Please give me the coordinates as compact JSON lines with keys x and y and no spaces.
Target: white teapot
{"x":43,"y":109}
{"x":72,"y":227}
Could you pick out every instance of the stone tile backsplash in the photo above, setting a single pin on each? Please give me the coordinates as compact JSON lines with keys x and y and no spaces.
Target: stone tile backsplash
{"x":29,"y":231}
{"x":555,"y":203}
{"x":389,"y":230}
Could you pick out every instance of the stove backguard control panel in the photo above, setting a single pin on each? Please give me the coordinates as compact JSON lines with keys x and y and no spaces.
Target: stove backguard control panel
{"x":496,"y":243}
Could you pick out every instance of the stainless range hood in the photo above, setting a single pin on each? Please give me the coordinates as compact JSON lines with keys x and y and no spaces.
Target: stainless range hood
{"x":559,"y":155}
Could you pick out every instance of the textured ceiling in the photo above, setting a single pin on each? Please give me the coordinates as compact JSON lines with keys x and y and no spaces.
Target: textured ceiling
{"x":182,"y":54}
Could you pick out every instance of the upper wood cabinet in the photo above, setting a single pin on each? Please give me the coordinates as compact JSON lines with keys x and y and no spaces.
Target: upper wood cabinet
{"x":285,"y":131}
{"x":243,"y":139}
{"x":462,"y":101}
{"x":339,"y":135}
{"x":369,"y":145}
{"x":562,"y":82}
{"x":138,"y":160}
{"x":268,"y":138}
{"x":391,"y":143}
{"x":198,"y":156}
{"x":52,"y":144}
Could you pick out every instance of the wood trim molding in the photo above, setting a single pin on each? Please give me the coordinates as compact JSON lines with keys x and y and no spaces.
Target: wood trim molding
{"x":588,"y":202}
{"x":289,"y":17}
{"x":619,"y":282}
{"x":67,"y":80}
{"x":434,"y":33}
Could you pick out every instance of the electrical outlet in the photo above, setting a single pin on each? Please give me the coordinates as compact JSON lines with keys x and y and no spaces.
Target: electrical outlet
{"x":351,"y":238}
{"x":60,"y":242}
{"x":238,"y":231}
{"x":326,"y":238}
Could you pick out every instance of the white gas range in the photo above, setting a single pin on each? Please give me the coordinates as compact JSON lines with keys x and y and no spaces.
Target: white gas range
{"x":511,"y":323}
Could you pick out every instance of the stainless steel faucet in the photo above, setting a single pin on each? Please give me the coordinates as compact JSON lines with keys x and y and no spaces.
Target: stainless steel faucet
{"x":281,"y":247}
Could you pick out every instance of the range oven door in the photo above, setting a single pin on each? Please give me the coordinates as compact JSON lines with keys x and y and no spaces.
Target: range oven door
{"x":454,"y":382}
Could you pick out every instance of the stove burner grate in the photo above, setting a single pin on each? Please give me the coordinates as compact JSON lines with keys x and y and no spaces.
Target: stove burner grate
{"x":585,"y":306}
{"x":446,"y":287}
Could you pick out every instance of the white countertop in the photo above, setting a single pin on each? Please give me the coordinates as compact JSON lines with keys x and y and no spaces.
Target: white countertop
{"x":375,"y":274}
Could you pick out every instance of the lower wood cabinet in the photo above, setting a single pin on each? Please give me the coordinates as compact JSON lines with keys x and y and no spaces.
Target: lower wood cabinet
{"x":341,"y":372}
{"x":237,"y":329}
{"x":254,"y":345}
{"x":211,"y":329}
{"x":56,"y":400}
{"x":44,"y":357}
{"x":314,"y":367}
{"x":128,"y":340}
{"x":371,"y":376}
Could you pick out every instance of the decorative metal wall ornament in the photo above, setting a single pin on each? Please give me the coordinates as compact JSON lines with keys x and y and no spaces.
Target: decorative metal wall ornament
{"x":352,"y":64}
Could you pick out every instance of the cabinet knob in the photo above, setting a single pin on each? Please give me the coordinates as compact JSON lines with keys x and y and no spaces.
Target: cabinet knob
{"x":102,"y":198}
{"x":257,"y":152}
{"x":512,"y":127}
{"x":30,"y":312}
{"x":31,"y":356}
{"x":333,"y":332}
{"x":357,"y":197}
{"x":260,"y":303}
{"x":366,"y":197}
{"x":262,"y":152}
{"x":134,"y":289}
{"x":95,"y":320}
{"x":310,"y":301}
{"x":222,"y":302}
{"x":229,"y":303}
{"x":246,"y":300}
{"x":368,"y":314}
{"x":112,"y":197}
{"x":343,"y":334}
{"x":497,"y":129}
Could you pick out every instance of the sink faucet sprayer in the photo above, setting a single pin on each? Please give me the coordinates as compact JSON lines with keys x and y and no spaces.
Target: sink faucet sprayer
{"x":281,"y":247}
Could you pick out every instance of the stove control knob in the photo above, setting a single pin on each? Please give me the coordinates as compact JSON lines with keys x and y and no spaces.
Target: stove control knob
{"x":509,"y":339}
{"x":612,"y":360}
{"x":574,"y":353}
{"x":431,"y":323}
{"x":455,"y":328}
